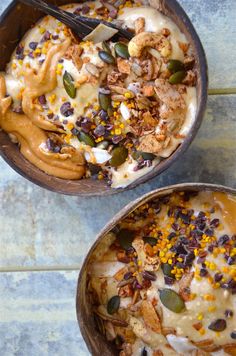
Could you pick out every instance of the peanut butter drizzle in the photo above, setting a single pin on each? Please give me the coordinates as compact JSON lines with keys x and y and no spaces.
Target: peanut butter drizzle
{"x":28,"y":129}
{"x":227,"y":204}
{"x":40,"y":83}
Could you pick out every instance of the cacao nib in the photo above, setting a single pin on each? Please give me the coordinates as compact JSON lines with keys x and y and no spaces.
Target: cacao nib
{"x":66,"y":109}
{"x":171,"y":235}
{"x":203,"y":272}
{"x":20,"y":52}
{"x":74,"y":131}
{"x":218,"y":277}
{"x":46,"y":36}
{"x":116,"y":139}
{"x":188,"y":260}
{"x":175,"y":226}
{"x":128,"y":275}
{"x":202,"y":215}
{"x":78,"y":10}
{"x":99,"y":131}
{"x":185,"y":218}
{"x":179,"y":249}
{"x":169,"y":281}
{"x":149,"y":275}
{"x":231,"y":261}
{"x":85,"y":124}
{"x":42,"y":99}
{"x":229,"y":313}
{"x":215,"y":223}
{"x":85,"y":9}
{"x":103,"y":115}
{"x":209,"y":232}
{"x":33,"y":45}
{"x":223,"y":239}
{"x":210,"y":248}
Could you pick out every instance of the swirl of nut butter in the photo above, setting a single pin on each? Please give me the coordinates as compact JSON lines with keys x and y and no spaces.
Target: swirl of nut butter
{"x":31,"y":128}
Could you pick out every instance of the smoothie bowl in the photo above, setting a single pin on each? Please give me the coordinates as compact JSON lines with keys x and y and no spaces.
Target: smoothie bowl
{"x":160,"y":279}
{"x":95,"y":115}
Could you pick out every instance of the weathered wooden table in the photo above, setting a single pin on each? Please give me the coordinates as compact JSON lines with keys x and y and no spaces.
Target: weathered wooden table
{"x":44,"y":236}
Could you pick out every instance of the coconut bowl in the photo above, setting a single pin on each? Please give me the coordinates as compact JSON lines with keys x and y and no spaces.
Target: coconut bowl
{"x":95,"y":342}
{"x":15,"y":22}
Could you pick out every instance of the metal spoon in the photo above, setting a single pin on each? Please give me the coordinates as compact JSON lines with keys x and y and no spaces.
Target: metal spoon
{"x":81,"y":25}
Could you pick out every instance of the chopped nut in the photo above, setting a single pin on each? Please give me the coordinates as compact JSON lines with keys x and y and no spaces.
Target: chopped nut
{"x":148,"y":90}
{"x":123,"y":66}
{"x":139,"y":25}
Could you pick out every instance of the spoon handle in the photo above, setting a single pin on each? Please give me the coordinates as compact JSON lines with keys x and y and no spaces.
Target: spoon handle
{"x":61,"y":15}
{"x":80,"y":24}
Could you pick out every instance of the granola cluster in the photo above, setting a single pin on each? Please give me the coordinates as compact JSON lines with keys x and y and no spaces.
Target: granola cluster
{"x":166,"y":283}
{"x":125,"y":105}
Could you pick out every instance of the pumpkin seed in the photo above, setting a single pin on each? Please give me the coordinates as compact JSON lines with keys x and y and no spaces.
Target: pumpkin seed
{"x":218,"y":325}
{"x":103,"y":145}
{"x":171,"y":300}
{"x":106,"y":57}
{"x":177,"y":77}
{"x":121,"y":50}
{"x":69,"y":85}
{"x":106,"y":47}
{"x":113,"y":305}
{"x":110,"y":111}
{"x":104,"y":101}
{"x":145,"y":155}
{"x":125,"y":238}
{"x":150,"y":240}
{"x":119,"y":155}
{"x":166,"y":268}
{"x":87,"y":139}
{"x":175,"y":66}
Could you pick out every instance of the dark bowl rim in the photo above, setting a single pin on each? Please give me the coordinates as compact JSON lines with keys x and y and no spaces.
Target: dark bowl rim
{"x":165,"y":163}
{"x":126,"y":210}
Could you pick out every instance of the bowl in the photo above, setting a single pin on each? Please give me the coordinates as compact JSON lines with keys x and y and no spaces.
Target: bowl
{"x":95,"y":342}
{"x":23,"y":17}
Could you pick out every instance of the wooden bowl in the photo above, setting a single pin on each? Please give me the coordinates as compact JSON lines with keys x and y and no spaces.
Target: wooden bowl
{"x":14,"y":22}
{"x":96,"y":343}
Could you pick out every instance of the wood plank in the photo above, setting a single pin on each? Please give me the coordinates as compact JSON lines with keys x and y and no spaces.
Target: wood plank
{"x":215,"y":23}
{"x":38,"y":315}
{"x":40,"y":228}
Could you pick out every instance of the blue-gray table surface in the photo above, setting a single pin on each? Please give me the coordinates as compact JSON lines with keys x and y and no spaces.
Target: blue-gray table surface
{"x":45,"y":236}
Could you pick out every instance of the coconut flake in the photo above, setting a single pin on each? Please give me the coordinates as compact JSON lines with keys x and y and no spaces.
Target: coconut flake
{"x":125,"y":112}
{"x":100,"y":155}
{"x":180,"y":344}
{"x":100,"y":33}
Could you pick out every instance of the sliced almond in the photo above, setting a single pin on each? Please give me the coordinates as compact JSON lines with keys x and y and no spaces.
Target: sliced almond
{"x":123,"y":66}
{"x":230,"y":349}
{"x":207,"y":345}
{"x":150,"y":316}
{"x":184,"y":286}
